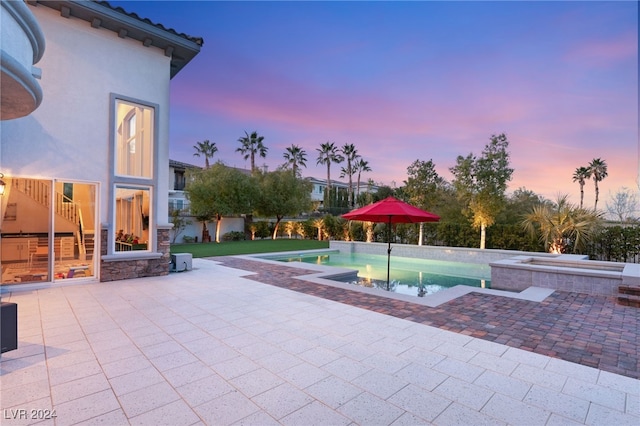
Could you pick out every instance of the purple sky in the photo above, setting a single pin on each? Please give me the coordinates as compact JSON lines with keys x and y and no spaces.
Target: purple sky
{"x":413,"y":80}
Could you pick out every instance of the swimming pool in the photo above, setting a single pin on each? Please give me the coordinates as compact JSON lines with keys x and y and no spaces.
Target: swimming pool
{"x":415,"y":277}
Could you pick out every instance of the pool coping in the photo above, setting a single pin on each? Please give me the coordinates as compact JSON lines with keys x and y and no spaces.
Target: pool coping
{"x":323,"y":274}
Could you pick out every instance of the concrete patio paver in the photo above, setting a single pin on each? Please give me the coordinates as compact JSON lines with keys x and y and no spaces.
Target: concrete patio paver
{"x":212,"y":346}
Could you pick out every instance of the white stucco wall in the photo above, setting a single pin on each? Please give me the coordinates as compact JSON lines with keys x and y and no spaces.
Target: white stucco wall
{"x":68,"y":136}
{"x":15,"y":41}
{"x":194,"y":229}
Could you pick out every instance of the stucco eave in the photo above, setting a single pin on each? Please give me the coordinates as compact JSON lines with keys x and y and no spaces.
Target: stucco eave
{"x":180,"y":49}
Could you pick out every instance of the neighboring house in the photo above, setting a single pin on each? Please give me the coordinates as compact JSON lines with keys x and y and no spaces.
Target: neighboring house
{"x":178,"y":201}
{"x":84,"y":149}
{"x":177,"y":183}
{"x":320,"y":186}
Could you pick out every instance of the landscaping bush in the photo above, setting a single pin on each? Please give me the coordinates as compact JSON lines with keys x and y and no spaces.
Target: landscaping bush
{"x":310,"y":231}
{"x":262,"y":229}
{"x":612,"y":243}
{"x":616,"y":244}
{"x":233,"y":236}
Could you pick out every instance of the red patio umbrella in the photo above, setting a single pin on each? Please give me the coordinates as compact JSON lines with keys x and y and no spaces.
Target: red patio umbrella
{"x":390,"y":211}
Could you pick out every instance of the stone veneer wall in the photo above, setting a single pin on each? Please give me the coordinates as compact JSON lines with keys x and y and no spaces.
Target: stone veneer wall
{"x":514,"y":279}
{"x":565,"y":273}
{"x":136,"y":268}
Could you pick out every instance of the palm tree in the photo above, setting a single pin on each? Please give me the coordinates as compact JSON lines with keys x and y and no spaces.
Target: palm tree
{"x":207,"y":149}
{"x":252,"y":145}
{"x":327,"y":154}
{"x":319,"y":223}
{"x":350,"y":154}
{"x":290,"y":228}
{"x":581,"y":175}
{"x":295,"y":157}
{"x":561,"y":224}
{"x":598,"y":170}
{"x":361,"y":166}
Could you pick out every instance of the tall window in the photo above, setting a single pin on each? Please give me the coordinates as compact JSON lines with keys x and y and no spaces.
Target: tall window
{"x":133,"y":177}
{"x":134,"y":150}
{"x":132,"y":214}
{"x":180,"y":180}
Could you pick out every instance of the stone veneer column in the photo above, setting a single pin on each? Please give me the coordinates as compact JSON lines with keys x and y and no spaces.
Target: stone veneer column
{"x":136,"y":268}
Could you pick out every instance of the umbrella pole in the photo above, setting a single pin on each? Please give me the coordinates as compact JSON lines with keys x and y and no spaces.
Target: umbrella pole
{"x":388,"y":251}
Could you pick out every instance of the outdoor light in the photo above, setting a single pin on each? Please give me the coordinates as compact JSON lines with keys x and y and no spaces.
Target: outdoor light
{"x":1,"y":184}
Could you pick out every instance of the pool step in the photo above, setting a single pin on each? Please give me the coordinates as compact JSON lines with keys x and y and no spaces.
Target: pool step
{"x":629,"y":296}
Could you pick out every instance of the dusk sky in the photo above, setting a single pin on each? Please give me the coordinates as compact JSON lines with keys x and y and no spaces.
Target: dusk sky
{"x":413,"y":80}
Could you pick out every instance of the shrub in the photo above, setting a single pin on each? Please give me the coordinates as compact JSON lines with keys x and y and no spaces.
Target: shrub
{"x":233,"y":236}
{"x":262,"y":229}
{"x":616,"y":243}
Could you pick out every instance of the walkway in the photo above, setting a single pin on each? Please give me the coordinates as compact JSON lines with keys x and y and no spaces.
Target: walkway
{"x":588,"y":330}
{"x":214,"y":346}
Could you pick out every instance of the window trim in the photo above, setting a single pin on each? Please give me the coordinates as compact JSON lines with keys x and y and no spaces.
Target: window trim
{"x":116,"y":180}
{"x":133,"y":142}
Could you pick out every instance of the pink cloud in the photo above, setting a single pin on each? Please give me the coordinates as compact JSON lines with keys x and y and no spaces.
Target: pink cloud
{"x":606,"y":52}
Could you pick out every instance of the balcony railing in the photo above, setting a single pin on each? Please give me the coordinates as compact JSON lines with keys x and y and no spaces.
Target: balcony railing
{"x":182,"y":205}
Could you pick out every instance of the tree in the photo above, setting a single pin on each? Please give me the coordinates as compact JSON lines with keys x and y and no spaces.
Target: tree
{"x":179,"y":224}
{"x":623,"y":205}
{"x":336,"y":200}
{"x":366,"y":197}
{"x":598,"y":171}
{"x":251,"y":145}
{"x":423,"y":184}
{"x":350,"y":154}
{"x":300,"y":229}
{"x":221,"y":191}
{"x":482,"y":182}
{"x":361,"y":166}
{"x":562,"y":225}
{"x":319,"y":223}
{"x":383,"y":192}
{"x":328,"y":154}
{"x":295,"y":157}
{"x":518,"y":204}
{"x":581,"y":175}
{"x":207,"y":149}
{"x":422,"y":187}
{"x":290,"y":227}
{"x":282,"y":194}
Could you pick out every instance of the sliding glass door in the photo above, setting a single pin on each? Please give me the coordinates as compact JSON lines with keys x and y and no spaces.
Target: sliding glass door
{"x":47,"y":230}
{"x":74,"y":222}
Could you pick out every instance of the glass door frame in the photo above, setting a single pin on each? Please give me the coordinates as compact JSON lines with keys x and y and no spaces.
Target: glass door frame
{"x":56,"y":247}
{"x":93,"y":263}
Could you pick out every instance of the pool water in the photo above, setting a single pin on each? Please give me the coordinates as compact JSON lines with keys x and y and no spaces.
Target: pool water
{"x":415,"y":277}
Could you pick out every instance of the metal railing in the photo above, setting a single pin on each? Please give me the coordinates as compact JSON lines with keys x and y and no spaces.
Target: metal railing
{"x":180,"y":205}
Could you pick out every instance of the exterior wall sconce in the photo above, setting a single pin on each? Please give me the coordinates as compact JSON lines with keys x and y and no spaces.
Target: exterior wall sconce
{"x":2,"y":184}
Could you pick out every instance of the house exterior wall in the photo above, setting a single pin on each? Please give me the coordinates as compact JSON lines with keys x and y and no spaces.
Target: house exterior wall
{"x":69,"y":136}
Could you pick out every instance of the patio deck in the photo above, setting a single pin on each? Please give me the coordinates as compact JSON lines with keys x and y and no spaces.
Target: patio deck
{"x":219,"y":345}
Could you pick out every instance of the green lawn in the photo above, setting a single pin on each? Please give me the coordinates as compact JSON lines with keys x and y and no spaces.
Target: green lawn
{"x":247,"y":247}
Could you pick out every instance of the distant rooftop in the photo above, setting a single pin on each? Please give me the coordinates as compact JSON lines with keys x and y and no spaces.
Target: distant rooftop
{"x":180,"y":165}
